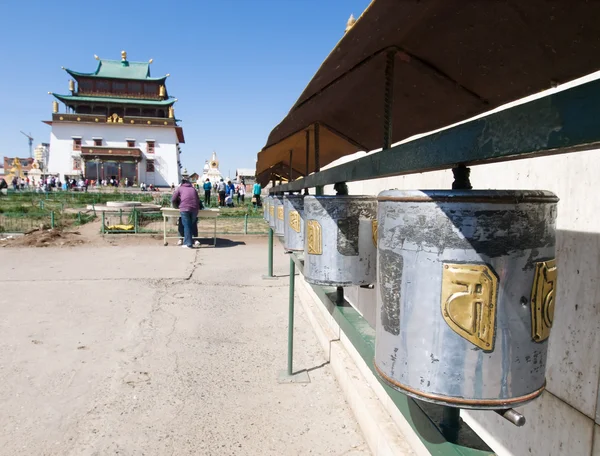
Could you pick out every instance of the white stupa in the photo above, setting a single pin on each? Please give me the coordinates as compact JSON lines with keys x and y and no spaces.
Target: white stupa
{"x":211,"y":170}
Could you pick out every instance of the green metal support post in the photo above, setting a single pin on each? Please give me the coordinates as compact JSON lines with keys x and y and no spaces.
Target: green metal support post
{"x":270,"y":275}
{"x":288,"y":376}
{"x":290,"y":357}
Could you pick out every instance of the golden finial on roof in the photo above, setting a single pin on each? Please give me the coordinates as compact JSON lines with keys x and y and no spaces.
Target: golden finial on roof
{"x":123,"y":55}
{"x":168,"y":74}
{"x":96,"y":57}
{"x":350,"y":23}
{"x":151,"y":60}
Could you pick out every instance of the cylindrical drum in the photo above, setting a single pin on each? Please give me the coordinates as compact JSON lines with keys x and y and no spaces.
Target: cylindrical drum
{"x":293,"y":222}
{"x":336,"y":250}
{"x":265,"y":204}
{"x":273,"y":211}
{"x":466,"y":289}
{"x":278,"y":212}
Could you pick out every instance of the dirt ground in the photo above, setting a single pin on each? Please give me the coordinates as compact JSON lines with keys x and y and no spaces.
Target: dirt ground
{"x":109,"y":348}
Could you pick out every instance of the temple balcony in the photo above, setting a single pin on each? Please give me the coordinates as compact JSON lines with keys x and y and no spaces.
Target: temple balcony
{"x":113,"y":119}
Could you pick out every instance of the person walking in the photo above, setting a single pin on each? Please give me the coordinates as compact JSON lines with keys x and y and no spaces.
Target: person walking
{"x":221,"y":188}
{"x":207,"y":188}
{"x":256,"y":195}
{"x":187,"y":200}
{"x":241,"y":192}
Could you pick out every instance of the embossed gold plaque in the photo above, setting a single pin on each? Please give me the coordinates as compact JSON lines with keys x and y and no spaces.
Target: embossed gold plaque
{"x":295,"y":221}
{"x":543,"y":295}
{"x":313,"y":236}
{"x":374,"y":227}
{"x":280,"y":212}
{"x":469,"y":298}
{"x":272,"y":210}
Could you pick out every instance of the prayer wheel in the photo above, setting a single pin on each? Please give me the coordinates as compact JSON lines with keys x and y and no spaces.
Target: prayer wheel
{"x":265,"y":204}
{"x":273,"y":211}
{"x":293,"y":222}
{"x":338,"y":241}
{"x":465,"y":294}
{"x":279,"y":225}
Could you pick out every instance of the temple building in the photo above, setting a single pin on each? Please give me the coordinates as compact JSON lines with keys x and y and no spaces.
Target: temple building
{"x":211,"y":170}
{"x":118,"y":122}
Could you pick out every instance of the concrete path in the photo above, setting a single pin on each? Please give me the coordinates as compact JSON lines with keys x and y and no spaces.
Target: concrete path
{"x":147,"y":350}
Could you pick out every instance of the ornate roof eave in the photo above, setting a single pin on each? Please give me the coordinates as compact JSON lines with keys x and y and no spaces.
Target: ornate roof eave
{"x":76,"y":75}
{"x":70,"y":99}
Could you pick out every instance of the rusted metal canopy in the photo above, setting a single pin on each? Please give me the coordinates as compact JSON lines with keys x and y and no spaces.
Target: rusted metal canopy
{"x":454,"y":59}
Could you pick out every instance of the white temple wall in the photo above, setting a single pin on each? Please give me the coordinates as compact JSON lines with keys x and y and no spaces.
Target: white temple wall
{"x":165,"y":155}
{"x":567,"y":416}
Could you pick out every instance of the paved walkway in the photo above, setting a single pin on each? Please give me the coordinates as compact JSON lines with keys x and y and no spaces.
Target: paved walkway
{"x":147,"y":350}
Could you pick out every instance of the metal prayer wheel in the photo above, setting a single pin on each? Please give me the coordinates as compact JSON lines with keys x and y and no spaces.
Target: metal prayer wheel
{"x":339,"y":249}
{"x":278,"y":214}
{"x":293,"y":222}
{"x":273,"y":211}
{"x":465,"y":295}
{"x":265,"y":205}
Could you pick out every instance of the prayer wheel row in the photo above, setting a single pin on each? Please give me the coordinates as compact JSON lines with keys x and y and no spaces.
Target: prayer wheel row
{"x":465,"y":284}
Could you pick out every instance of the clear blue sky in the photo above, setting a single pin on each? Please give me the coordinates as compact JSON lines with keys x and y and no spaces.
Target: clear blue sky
{"x":236,"y":66}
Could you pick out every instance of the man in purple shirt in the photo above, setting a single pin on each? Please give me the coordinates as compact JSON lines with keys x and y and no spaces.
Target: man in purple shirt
{"x":186,"y":199}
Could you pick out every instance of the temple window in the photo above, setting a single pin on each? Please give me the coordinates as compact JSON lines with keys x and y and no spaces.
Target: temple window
{"x":130,"y":142}
{"x":135,"y":87}
{"x":150,"y":147}
{"x":119,"y":87}
{"x":150,"y":89}
{"x":76,"y":143}
{"x":102,"y":86}
{"x":149,"y":166}
{"x":97,"y":142}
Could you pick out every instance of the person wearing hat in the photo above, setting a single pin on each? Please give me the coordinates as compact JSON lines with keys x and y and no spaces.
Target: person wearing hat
{"x":187,"y":200}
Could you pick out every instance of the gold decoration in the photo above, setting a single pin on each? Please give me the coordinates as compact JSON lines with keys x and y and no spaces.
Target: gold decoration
{"x":295,"y":221}
{"x":61,"y":118}
{"x":165,"y":122}
{"x":131,"y":121}
{"x":114,"y":118}
{"x":55,"y":107}
{"x":71,"y":85}
{"x":280,"y":212}
{"x":149,"y":122}
{"x":78,"y":119}
{"x":96,"y":119}
{"x":272,"y":211}
{"x":374,"y":229}
{"x":171,"y":112}
{"x":543,"y":295}
{"x":161,"y":91}
{"x":150,"y":61}
{"x":123,"y":55}
{"x":313,"y":236}
{"x":469,"y":298}
{"x":96,"y":57}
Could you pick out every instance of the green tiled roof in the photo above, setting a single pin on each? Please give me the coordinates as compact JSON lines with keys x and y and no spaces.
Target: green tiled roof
{"x":119,"y":69}
{"x":70,"y":99}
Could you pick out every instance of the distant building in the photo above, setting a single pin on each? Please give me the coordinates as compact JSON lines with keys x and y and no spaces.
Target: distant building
{"x":246,"y":175}
{"x":119,"y":123}
{"x":211,"y":170}
{"x":41,"y":153}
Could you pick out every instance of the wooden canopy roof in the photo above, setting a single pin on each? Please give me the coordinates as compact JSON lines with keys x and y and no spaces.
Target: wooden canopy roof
{"x":453,"y":59}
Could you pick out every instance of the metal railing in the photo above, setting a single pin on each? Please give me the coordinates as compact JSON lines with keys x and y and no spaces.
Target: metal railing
{"x":141,"y":222}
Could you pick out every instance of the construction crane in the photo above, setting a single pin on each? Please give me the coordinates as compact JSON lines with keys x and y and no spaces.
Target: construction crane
{"x":30,"y":144}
